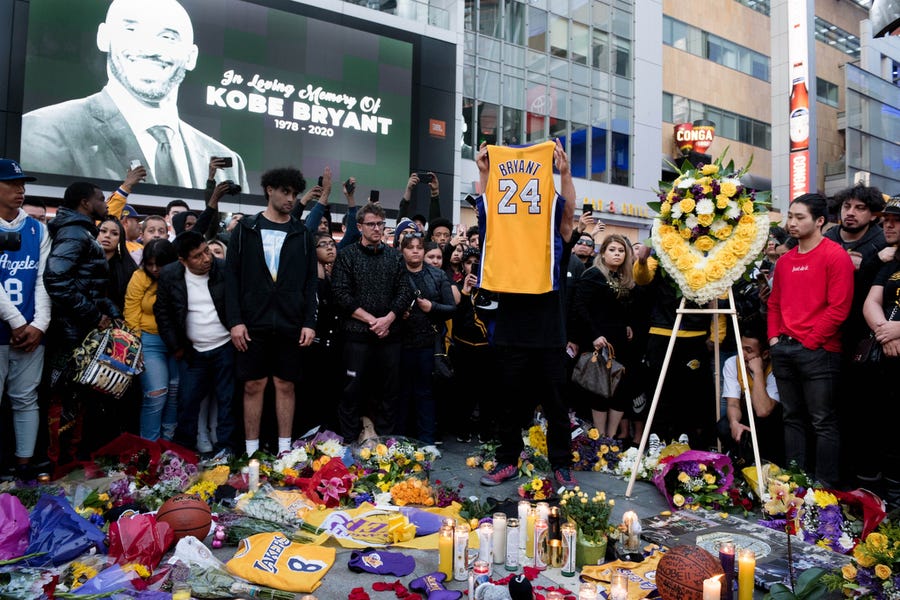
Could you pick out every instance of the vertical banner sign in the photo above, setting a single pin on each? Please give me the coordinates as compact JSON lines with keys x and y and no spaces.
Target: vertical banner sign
{"x":798,"y":124}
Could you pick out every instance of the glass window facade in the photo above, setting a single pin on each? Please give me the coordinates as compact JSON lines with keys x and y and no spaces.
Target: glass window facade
{"x":873,"y":128}
{"x":837,"y":38}
{"x":827,"y":92}
{"x":542,"y":69}
{"x":717,"y":49}
{"x":678,"y":109}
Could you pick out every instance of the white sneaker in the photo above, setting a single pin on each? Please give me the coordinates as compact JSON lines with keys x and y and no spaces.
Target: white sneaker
{"x":683,"y":439}
{"x":204,"y":446}
{"x":653,"y":445}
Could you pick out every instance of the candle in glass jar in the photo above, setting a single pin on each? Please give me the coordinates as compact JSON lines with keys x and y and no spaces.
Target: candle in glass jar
{"x":253,"y":475}
{"x":632,"y":526}
{"x":461,"y":552}
{"x":524,"y":508}
{"x":529,"y":533}
{"x":445,"y":550}
{"x":499,"y":538}
{"x":618,"y":586}
{"x":555,"y":552}
{"x":587,"y":591}
{"x":486,"y":542}
{"x":746,"y":574}
{"x":726,"y":557}
{"x":712,"y":588}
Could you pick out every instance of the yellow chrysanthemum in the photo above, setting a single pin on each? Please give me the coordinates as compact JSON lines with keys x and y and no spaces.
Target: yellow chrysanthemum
{"x":823,"y":498}
{"x":883,"y":572}
{"x":665,"y":209}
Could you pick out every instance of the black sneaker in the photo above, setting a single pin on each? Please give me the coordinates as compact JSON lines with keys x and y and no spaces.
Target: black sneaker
{"x":500,"y":473}
{"x":564,"y":478}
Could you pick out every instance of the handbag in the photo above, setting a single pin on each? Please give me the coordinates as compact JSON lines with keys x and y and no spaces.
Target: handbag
{"x":869,"y":350}
{"x":599,"y":372}
{"x":443,"y":368}
{"x":108,"y":359}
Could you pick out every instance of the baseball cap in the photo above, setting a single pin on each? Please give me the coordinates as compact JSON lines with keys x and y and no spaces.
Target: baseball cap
{"x":891,"y":208}
{"x":11,"y":171}
{"x":130,"y":211}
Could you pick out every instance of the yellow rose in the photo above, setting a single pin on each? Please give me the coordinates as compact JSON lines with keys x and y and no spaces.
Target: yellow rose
{"x":576,"y":456}
{"x":707,"y":190}
{"x":710,"y":169}
{"x":727,"y":188}
{"x":724,"y":232}
{"x":381,"y":450}
{"x":678,"y":500}
{"x":665,"y":209}
{"x":862,"y":557}
{"x":714,"y":272}
{"x":419,"y":456}
{"x":704,"y":243}
{"x":849,"y":572}
{"x":740,"y":247}
{"x":417,"y":468}
{"x":593,"y":433}
{"x":696,"y":279}
{"x":669,"y":241}
{"x":876,"y":541}
{"x":488,"y":465}
{"x":471,"y":462}
{"x":684,"y":477}
{"x":685,"y":261}
{"x":746,"y":232}
{"x":597,"y":466}
{"x":748,"y":207}
{"x":706,"y":220}
{"x":670,"y":196}
{"x":604,"y":448}
{"x":709,"y":478}
{"x":365,"y":454}
{"x":686,"y":233}
{"x":666,"y":230}
{"x":727,"y":259}
{"x":747,"y":220}
{"x":882,"y":571}
{"x":687,"y":205}
{"x":704,"y":181}
{"x":701,"y":467}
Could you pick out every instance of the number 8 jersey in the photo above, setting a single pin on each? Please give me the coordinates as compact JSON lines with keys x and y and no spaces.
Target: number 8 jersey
{"x":519,"y":216}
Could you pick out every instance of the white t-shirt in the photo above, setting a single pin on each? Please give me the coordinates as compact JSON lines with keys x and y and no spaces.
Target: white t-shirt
{"x":204,"y":328}
{"x":732,"y":387}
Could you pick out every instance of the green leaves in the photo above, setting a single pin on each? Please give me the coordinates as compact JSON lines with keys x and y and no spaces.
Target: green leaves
{"x":808,"y":587}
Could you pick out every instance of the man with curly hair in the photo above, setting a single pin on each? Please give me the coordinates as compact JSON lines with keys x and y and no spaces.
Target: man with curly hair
{"x":271,"y":312}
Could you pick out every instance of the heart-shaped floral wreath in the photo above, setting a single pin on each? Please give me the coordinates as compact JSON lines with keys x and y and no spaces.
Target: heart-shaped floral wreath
{"x":710,"y":228}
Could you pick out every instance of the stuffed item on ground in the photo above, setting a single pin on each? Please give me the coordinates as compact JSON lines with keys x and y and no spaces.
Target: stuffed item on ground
{"x":272,"y":560}
{"x":492,"y":591}
{"x":381,"y":562}
{"x":520,"y":588}
{"x":432,"y":587}
{"x":426,"y":522}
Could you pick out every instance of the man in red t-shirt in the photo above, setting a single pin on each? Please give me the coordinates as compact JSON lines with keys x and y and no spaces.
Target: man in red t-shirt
{"x":811,"y":296}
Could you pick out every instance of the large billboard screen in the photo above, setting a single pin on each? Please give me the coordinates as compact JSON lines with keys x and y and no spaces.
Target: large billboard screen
{"x":171,"y":84}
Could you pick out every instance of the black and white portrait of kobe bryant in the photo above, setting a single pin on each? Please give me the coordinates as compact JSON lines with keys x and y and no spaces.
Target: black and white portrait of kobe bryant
{"x":149,"y":49}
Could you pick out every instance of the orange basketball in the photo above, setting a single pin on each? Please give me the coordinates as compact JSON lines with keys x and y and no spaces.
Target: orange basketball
{"x":186,"y":515}
{"x":681,"y":571}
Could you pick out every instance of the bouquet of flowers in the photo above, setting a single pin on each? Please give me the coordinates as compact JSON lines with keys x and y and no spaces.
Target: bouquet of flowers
{"x":412,"y":491}
{"x":646,"y":469}
{"x":174,"y":475}
{"x":874,"y":571}
{"x":593,"y":452}
{"x":382,"y":462}
{"x":485,"y":457}
{"x":590,"y":514}
{"x":536,"y":488}
{"x":710,"y":227}
{"x":446,"y":494}
{"x":695,"y":479}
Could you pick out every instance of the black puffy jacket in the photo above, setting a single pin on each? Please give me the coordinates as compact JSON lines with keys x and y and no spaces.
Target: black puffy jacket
{"x":76,"y":277}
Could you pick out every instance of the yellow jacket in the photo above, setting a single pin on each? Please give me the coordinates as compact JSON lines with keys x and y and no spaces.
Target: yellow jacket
{"x":139,"y":300}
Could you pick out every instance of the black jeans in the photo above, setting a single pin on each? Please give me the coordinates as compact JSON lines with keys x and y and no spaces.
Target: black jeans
{"x":373,"y":375}
{"x":204,"y":374}
{"x":807,"y":383}
{"x":532,"y":376}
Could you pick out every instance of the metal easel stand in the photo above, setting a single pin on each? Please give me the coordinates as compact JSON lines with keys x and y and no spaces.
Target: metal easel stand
{"x":712,"y":310}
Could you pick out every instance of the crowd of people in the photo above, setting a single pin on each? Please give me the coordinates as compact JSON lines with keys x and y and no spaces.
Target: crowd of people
{"x":269,"y":326}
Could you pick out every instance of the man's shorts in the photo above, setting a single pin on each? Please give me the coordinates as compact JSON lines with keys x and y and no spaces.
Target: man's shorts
{"x":269,"y":355}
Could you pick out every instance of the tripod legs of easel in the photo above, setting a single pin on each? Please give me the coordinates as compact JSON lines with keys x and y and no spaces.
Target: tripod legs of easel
{"x":679,"y":313}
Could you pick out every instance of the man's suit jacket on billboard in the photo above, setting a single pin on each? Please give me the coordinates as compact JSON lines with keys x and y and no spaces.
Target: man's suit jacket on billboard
{"x":89,"y":137}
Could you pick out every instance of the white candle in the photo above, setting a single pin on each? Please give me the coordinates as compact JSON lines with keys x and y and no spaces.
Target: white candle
{"x":253,"y":475}
{"x":499,"y":538}
{"x":618,"y":587}
{"x":712,"y":588}
{"x":632,"y":531}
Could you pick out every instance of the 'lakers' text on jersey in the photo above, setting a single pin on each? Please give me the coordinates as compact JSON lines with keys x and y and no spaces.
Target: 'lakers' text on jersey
{"x":518,"y":215}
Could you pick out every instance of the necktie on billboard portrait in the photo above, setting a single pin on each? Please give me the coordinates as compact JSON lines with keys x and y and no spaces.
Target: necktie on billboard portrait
{"x":164,"y":164}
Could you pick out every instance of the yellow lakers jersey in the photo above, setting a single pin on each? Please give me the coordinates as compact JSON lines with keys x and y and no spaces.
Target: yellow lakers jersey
{"x":518,"y":215}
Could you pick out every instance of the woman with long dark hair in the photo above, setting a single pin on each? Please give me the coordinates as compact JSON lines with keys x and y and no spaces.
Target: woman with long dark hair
{"x":601,"y":319}
{"x":121,"y":266}
{"x":159,"y":409}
